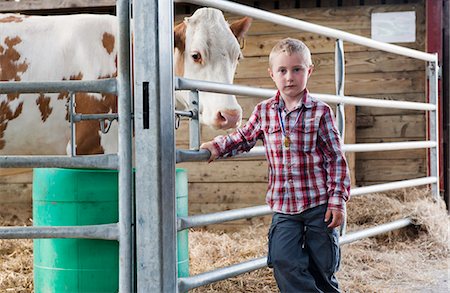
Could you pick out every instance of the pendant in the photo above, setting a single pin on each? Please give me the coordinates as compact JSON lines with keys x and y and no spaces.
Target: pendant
{"x":287,"y":142}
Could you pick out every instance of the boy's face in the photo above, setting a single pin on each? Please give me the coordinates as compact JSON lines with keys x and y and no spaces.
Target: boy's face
{"x":290,"y":74}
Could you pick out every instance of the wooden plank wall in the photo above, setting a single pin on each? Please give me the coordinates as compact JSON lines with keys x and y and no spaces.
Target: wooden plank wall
{"x":369,"y":73}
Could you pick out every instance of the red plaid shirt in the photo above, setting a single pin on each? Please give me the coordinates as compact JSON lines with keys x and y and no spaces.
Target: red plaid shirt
{"x":312,"y":170}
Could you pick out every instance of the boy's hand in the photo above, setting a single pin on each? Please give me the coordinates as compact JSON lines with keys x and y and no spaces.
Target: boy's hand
{"x":210,"y":147}
{"x":337,"y":217}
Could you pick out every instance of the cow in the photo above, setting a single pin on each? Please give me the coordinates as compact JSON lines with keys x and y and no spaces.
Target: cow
{"x":84,"y":47}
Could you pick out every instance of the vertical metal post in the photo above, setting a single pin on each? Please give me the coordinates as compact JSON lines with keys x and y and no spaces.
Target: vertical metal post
{"x":340,"y":81}
{"x":433,"y":70}
{"x":339,"y":62}
{"x":194,"y":123}
{"x":72,"y":106}
{"x":156,"y":258}
{"x":124,"y":149}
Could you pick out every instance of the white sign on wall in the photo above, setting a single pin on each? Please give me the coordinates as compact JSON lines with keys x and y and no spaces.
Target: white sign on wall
{"x":394,"y":27}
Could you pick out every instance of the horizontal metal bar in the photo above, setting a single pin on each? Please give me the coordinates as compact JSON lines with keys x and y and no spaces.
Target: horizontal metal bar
{"x":388,"y":146}
{"x":259,"y":151}
{"x":188,"y":283}
{"x":184,"y":113}
{"x":373,"y":231}
{"x":392,"y":185}
{"x":104,"y":231}
{"x":310,"y":27}
{"x":192,"y":156}
{"x":108,"y":85}
{"x":215,"y":87}
{"x":109,"y":161}
{"x":220,"y":217}
{"x":372,"y":102}
{"x":81,"y":117}
{"x":263,"y":210}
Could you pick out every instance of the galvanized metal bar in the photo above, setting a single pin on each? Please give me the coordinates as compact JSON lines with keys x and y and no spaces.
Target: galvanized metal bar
{"x":82,"y":117}
{"x":220,"y":217}
{"x":92,"y":161}
{"x":388,"y":146}
{"x":156,"y":255}
{"x":194,"y":123}
{"x":263,"y":210}
{"x":105,"y":232}
{"x":259,"y":151}
{"x":125,"y":180}
{"x":207,"y":86}
{"x":393,"y":185}
{"x":373,"y":231}
{"x":88,"y":86}
{"x":433,"y":123}
{"x":339,"y":63}
{"x":73,"y":143}
{"x":192,"y":156}
{"x":185,"y":284}
{"x":217,"y":87}
{"x":309,"y":27}
{"x":189,"y":114}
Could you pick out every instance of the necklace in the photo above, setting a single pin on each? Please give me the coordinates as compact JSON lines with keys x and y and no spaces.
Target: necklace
{"x":287,"y":140}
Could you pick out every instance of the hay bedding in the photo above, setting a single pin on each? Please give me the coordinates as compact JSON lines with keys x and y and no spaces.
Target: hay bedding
{"x":405,"y":260}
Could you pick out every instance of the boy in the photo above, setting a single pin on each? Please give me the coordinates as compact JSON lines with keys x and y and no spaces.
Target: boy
{"x":308,"y":175}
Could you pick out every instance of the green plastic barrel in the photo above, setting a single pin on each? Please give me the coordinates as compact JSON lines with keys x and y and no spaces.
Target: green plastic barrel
{"x":74,"y":197}
{"x":181,"y":191}
{"x":69,"y":197}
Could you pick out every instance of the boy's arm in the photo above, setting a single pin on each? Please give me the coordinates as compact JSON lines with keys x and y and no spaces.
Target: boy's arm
{"x":338,"y":179}
{"x":241,"y":140}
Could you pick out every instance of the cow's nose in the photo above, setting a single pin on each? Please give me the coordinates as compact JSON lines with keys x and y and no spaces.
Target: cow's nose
{"x":228,"y":119}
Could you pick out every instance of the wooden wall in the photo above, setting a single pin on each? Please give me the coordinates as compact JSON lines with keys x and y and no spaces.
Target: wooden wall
{"x":369,"y":73}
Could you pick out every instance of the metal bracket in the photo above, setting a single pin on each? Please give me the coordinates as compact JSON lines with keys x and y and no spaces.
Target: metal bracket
{"x":194,"y":125}
{"x":105,"y":126}
{"x":72,"y":114}
{"x":432,"y":67}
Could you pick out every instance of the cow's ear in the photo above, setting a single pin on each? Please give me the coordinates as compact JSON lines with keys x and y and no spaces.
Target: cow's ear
{"x":179,"y":38}
{"x":240,"y":27}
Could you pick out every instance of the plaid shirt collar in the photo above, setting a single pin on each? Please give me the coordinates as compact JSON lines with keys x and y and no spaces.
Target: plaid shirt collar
{"x":306,"y":101}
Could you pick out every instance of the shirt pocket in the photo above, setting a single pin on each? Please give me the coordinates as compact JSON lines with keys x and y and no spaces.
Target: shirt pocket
{"x":307,"y":134}
{"x":273,"y":137}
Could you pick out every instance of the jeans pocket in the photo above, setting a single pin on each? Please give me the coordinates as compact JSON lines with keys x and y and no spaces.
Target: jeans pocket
{"x":335,"y":251}
{"x":270,"y":235}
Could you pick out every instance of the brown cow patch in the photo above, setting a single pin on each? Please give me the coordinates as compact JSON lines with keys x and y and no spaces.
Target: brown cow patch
{"x":9,"y":57}
{"x":108,"y":42}
{"x":11,"y":18}
{"x":10,"y":70}
{"x":6,"y":114}
{"x":43,"y":103}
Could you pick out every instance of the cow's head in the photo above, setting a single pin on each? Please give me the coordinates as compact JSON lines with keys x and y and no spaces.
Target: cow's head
{"x":207,"y":48}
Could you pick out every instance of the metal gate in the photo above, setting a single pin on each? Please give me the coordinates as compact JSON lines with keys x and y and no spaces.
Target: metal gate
{"x":121,"y":231}
{"x":152,"y":233}
{"x":156,"y":271}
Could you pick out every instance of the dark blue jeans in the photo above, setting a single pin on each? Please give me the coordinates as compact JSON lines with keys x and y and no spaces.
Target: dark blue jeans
{"x":303,"y":252}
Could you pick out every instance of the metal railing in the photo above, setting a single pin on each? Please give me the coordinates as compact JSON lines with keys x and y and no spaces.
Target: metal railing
{"x":156,"y":223}
{"x":121,"y":86}
{"x":187,"y":283}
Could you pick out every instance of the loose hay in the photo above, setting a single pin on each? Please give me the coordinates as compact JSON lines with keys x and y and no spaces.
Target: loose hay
{"x":16,"y":256}
{"x":405,"y":260}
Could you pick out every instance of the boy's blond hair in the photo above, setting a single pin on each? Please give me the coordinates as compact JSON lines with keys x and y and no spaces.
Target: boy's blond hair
{"x":290,"y":46}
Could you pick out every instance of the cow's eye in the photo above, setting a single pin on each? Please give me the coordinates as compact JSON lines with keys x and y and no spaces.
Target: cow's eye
{"x":197,"y":57}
